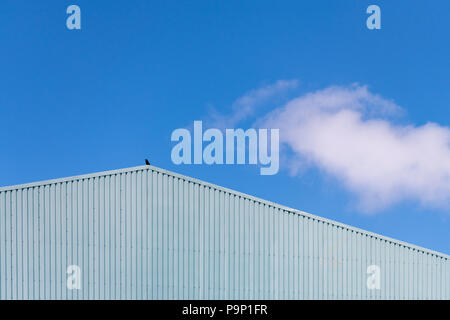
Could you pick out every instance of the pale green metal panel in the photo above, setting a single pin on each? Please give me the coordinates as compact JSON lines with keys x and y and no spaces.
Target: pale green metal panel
{"x":146,"y":233}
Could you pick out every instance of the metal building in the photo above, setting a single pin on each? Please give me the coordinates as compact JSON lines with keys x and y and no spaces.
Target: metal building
{"x":146,"y":233}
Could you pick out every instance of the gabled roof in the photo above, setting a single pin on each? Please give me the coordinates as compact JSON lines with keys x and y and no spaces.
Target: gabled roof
{"x":229,"y":191}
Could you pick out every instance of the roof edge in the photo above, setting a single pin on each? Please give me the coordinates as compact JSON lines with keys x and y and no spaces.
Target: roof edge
{"x":230,"y":191}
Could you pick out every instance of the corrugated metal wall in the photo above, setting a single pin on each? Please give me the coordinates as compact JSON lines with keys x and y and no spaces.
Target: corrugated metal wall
{"x":145,"y":233}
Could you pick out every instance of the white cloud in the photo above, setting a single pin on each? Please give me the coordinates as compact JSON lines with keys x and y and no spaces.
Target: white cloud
{"x":348,"y":133}
{"x":246,"y":105}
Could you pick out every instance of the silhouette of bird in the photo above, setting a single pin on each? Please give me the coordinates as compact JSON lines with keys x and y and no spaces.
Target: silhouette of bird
{"x":147,"y":163}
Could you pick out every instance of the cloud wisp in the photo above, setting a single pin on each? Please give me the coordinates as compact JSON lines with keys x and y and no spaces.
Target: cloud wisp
{"x":246,"y":106}
{"x":349,"y":133}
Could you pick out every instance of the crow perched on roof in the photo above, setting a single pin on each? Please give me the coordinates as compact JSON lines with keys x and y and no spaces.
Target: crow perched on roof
{"x":146,"y":162}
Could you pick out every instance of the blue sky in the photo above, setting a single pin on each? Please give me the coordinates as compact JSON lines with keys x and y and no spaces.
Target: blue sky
{"x":109,"y":95}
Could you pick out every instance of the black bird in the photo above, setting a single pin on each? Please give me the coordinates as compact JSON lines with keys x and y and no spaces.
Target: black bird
{"x":146,"y":162}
